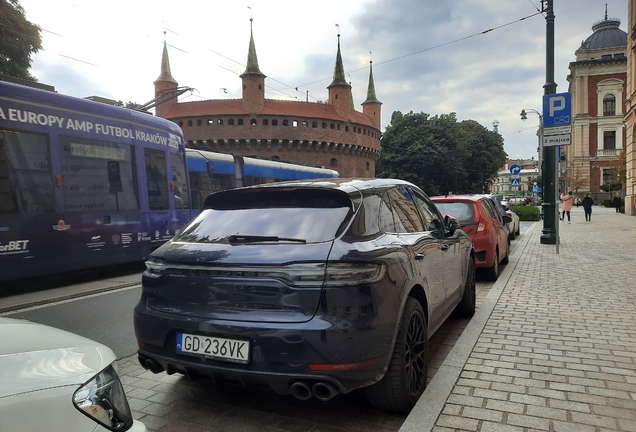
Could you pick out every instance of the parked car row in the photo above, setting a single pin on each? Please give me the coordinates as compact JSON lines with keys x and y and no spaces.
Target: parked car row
{"x":312,"y":288}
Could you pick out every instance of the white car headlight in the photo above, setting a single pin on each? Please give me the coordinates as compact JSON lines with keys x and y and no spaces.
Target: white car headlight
{"x":103,"y":400}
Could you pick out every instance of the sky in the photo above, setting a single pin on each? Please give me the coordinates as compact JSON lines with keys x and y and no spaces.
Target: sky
{"x":429,"y":56}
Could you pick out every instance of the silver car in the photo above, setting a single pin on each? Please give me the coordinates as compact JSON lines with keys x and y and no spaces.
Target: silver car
{"x":52,"y":380}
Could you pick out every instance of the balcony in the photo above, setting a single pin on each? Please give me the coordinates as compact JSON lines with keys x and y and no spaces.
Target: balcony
{"x":607,"y":152}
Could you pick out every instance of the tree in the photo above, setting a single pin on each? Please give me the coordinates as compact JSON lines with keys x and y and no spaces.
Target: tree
{"x":19,"y":38}
{"x":439,"y":154}
{"x":129,"y":105}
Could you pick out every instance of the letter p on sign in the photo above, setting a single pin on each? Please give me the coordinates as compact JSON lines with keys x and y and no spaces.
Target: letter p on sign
{"x":556,"y":104}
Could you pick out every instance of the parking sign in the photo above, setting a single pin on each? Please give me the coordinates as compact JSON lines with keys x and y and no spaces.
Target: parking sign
{"x":557,"y":109}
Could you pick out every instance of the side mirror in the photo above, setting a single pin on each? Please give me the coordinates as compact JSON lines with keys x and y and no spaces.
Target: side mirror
{"x":451,"y":224}
{"x":506,"y":219}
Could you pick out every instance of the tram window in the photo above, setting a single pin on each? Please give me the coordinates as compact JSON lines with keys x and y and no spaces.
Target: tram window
{"x":26,"y":180}
{"x":181,"y":198}
{"x":97,"y":175}
{"x":157,"y":179}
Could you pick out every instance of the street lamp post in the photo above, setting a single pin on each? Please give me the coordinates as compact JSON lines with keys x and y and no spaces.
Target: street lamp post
{"x":524,"y":117}
{"x":549,"y":173}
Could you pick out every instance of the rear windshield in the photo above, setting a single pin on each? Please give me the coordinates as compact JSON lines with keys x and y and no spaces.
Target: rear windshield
{"x":307,"y":215}
{"x":464,"y":212}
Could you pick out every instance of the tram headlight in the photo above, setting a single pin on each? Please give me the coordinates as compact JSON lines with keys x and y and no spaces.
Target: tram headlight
{"x":104,"y":401}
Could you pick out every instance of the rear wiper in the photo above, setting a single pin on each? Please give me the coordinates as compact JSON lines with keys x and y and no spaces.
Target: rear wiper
{"x":244,"y":238}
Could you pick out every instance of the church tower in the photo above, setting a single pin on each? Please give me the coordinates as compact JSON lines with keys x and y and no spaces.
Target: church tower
{"x":372,"y":106}
{"x":165,"y":85}
{"x":340,"y":89}
{"x":253,"y":81}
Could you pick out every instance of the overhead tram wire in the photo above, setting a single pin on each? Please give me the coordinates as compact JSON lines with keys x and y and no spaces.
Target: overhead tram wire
{"x":433,"y":47}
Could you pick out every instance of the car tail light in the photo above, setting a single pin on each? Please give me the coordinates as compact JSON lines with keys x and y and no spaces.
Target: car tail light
{"x":297,"y":274}
{"x":103,"y":400}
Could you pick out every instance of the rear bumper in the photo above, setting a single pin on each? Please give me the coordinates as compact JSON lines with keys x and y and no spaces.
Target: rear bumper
{"x":280,"y":353}
{"x":484,"y":252}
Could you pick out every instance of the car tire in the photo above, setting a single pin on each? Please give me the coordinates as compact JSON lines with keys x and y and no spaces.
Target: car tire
{"x":493,"y":272}
{"x":468,"y":304}
{"x":405,"y":379}
{"x":505,"y":259}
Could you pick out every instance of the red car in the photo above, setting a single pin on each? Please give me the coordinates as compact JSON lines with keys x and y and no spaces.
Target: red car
{"x":483,"y":224}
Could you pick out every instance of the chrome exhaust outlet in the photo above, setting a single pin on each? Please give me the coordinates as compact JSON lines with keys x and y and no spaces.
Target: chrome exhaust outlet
{"x":324,"y":391}
{"x":300,"y":390}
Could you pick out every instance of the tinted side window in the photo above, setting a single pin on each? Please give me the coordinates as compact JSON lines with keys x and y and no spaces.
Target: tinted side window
{"x":386,"y":216}
{"x":489,"y":208}
{"x":408,"y":217}
{"x":432,"y":217}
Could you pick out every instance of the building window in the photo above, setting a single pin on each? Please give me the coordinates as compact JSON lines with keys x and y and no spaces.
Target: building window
{"x":609,"y":105}
{"x":609,"y":140}
{"x":368,"y":166}
{"x":295,"y":123}
{"x":274,"y":122}
{"x":333,"y":163}
{"x":338,"y":126}
{"x":180,"y":123}
{"x":240,"y":122}
{"x":199,"y":122}
{"x":230,"y":122}
{"x":314,"y":124}
{"x":210,"y":122}
{"x":285,"y":122}
{"x":305,"y":123}
{"x":275,"y":158}
{"x":346,"y":128}
{"x":219,"y":122}
{"x":265,"y":122}
{"x":324,"y":125}
{"x":333,"y":126}
{"x":260,"y":87}
{"x":253,"y":122}
{"x":189,"y":122}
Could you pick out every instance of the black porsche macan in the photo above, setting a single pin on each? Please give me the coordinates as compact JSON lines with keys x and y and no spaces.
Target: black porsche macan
{"x":309,"y":287}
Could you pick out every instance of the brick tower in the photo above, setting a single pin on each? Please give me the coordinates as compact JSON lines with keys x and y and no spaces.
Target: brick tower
{"x":253,"y":81}
{"x":165,"y":85}
{"x":372,"y":106}
{"x":340,"y":89}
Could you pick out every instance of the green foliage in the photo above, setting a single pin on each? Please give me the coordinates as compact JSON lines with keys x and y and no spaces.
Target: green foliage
{"x":611,"y":187}
{"x":18,"y":40}
{"x":527,"y":213}
{"x":440,"y":154}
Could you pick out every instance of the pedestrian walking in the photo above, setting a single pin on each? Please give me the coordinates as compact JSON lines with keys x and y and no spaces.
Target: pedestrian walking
{"x":566,"y":205}
{"x":577,"y":201}
{"x":588,"y":202}
{"x":616,"y":202}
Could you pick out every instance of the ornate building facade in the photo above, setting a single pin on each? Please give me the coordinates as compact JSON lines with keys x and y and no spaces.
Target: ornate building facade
{"x":630,"y":113}
{"x":597,"y":82}
{"x":331,"y":135}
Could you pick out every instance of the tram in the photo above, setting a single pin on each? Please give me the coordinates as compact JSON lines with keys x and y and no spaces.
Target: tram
{"x":84,"y":184}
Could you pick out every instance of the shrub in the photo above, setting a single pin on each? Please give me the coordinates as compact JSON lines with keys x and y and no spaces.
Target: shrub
{"x":527,"y":213}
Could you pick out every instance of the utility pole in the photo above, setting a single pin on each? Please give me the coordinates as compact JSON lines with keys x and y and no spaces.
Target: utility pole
{"x":549,"y":171}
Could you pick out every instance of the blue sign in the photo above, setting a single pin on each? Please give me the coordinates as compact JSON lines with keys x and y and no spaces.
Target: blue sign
{"x":557,"y":109}
{"x":537,"y":189}
{"x":515,"y":169}
{"x":515,"y":181}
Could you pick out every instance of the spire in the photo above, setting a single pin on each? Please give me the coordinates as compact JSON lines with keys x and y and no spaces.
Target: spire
{"x":165,"y":75}
{"x":351,"y":104}
{"x":371,"y":98}
{"x":605,"y":11}
{"x":338,"y":72}
{"x":252,"y":60}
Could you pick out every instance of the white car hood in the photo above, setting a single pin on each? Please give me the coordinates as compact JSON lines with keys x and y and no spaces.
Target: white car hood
{"x":34,"y":357}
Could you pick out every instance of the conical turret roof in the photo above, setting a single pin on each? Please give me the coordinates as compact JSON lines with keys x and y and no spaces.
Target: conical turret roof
{"x":338,"y":72}
{"x":371,"y":98}
{"x":165,"y":75}
{"x":252,"y":59}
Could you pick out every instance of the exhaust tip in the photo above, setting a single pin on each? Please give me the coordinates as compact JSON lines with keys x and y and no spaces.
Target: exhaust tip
{"x":300,"y":390}
{"x":324,"y":391}
{"x":150,"y":364}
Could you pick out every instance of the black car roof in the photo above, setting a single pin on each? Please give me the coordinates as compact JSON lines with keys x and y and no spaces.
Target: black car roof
{"x":347,"y":185}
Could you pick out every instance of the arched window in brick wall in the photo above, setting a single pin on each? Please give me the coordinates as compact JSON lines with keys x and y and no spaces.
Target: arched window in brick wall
{"x":333,"y":163}
{"x":368,"y":166}
{"x":199,"y":122}
{"x":219,"y":122}
{"x":285,"y":122}
{"x":253,"y":122}
{"x":332,"y":126}
{"x":210,"y":122}
{"x":230,"y":122}
{"x":324,"y":125}
{"x":240,"y":122}
{"x":346,"y":128}
{"x":274,"y":122}
{"x":180,"y":123}
{"x":314,"y":124}
{"x":265,"y":122}
{"x":189,"y":122}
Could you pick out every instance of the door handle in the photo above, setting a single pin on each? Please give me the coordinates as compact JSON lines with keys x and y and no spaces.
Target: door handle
{"x":420,"y":256}
{"x":445,"y":247}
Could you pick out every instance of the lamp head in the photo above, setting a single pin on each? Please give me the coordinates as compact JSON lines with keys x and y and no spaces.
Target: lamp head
{"x":524,"y":116}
